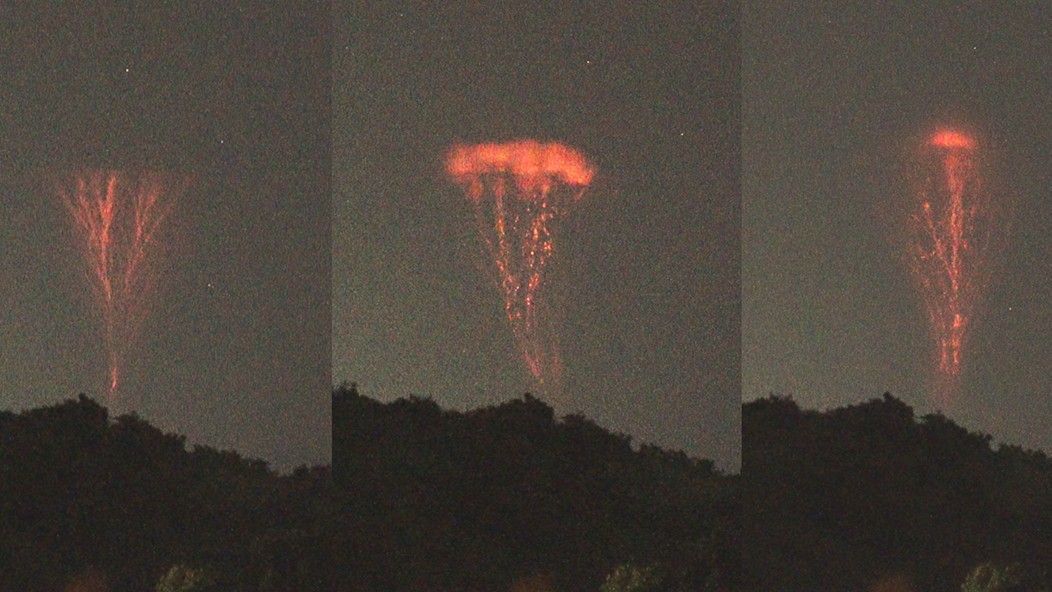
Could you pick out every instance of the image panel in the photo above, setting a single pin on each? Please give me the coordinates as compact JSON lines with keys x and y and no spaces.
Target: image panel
{"x":536,"y":294}
{"x":165,"y":244}
{"x":896,"y":296}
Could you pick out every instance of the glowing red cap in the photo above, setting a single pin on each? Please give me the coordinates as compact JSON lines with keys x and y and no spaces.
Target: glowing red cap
{"x":951,"y":139}
{"x":527,"y":159}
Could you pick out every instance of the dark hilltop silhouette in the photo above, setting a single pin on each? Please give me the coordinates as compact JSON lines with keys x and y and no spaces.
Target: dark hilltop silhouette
{"x":504,"y":498}
{"x":92,"y":503}
{"x":870,"y":497}
{"x":512,"y":498}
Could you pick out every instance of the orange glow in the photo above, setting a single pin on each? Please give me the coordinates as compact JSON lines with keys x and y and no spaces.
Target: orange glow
{"x":951,"y":139}
{"x":532,"y":164}
{"x":118,"y":217}
{"x":519,"y":191}
{"x":953,"y":230}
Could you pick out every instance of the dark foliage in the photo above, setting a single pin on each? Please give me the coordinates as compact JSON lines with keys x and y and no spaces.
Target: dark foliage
{"x":92,"y":503}
{"x":871,"y":498}
{"x":500,"y":499}
{"x":497,"y":497}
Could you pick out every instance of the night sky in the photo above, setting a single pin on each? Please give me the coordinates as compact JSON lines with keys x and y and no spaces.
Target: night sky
{"x":236,"y":351}
{"x":833,"y":98}
{"x":647,"y":267}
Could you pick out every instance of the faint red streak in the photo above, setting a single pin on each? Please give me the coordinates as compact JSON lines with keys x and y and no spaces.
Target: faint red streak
{"x":519,"y":191}
{"x":951,"y":230}
{"x":118,"y":217}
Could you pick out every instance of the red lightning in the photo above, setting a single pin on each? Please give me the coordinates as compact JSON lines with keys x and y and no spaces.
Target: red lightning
{"x":952,"y":231}
{"x":519,"y":190}
{"x":118,"y":217}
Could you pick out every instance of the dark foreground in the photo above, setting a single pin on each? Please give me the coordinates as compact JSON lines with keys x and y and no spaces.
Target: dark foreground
{"x":510,"y":498}
{"x":871,"y":498}
{"x":500,"y":499}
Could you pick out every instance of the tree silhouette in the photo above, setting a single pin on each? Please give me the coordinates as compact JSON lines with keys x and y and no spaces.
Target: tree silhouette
{"x":480,"y":500}
{"x":88,"y":502}
{"x":507,"y":497}
{"x":843,"y":499}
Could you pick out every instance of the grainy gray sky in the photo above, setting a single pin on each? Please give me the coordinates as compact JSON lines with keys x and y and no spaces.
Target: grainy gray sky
{"x":834,"y":95}
{"x":236,"y":351}
{"x":647,"y":285}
